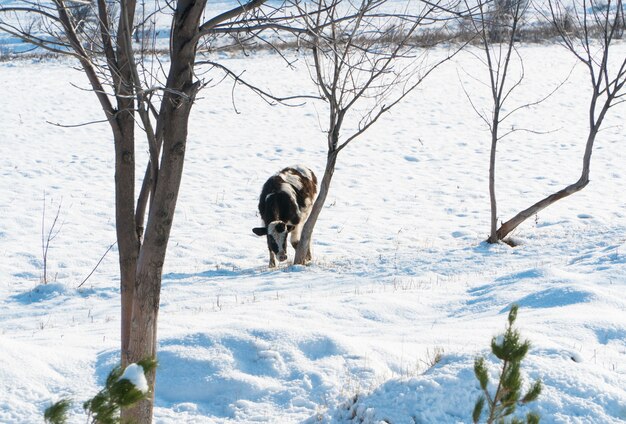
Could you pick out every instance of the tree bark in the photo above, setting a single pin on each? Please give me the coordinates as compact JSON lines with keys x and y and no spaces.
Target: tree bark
{"x":493,"y":236}
{"x":128,"y":244}
{"x":506,"y":228}
{"x":304,"y":247}
{"x":174,"y":113}
{"x":127,"y":240}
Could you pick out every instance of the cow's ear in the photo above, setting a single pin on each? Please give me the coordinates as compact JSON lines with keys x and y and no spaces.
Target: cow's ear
{"x":260,"y":231}
{"x":290,"y":227}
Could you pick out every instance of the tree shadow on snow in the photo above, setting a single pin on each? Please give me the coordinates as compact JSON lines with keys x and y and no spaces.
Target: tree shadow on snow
{"x":211,"y":273}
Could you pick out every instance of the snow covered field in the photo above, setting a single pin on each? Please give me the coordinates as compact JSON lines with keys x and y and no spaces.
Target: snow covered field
{"x":401,"y":270}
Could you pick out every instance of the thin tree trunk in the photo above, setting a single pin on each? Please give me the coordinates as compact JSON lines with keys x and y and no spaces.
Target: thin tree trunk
{"x":493,"y":237}
{"x":304,"y":246}
{"x":506,"y":228}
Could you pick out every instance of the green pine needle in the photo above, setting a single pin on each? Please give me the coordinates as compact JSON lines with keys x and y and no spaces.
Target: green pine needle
{"x":509,"y":410}
{"x":113,"y":376}
{"x":532,"y":418}
{"x":124,"y":393}
{"x":498,"y":349}
{"x":57,"y":412}
{"x":148,"y":364}
{"x":533,"y":393}
{"x":478,"y":409}
{"x":511,"y":377}
{"x":513,"y":314}
{"x":480,"y":370}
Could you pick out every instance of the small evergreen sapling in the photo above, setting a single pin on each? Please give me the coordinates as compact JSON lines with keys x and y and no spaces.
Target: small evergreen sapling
{"x":57,"y":413}
{"x":511,"y":351}
{"x":122,"y":388}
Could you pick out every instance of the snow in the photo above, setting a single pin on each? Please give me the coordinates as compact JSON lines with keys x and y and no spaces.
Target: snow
{"x":134,"y":373}
{"x":499,"y":340}
{"x":401,"y":268}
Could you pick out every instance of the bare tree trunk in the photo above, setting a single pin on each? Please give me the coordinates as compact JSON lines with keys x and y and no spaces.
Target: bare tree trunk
{"x":506,"y":228}
{"x":128,"y":243}
{"x":493,"y":237}
{"x":489,"y":26}
{"x":303,"y":252}
{"x":175,"y":110}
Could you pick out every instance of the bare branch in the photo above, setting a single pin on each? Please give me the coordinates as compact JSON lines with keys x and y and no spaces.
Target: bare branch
{"x":541,"y":100}
{"x":480,"y":114}
{"x":262,"y":93}
{"x":30,"y":10}
{"x":56,"y":124}
{"x":226,"y":16}
{"x":526,"y":130}
{"x":364,"y":63}
{"x":97,"y":265}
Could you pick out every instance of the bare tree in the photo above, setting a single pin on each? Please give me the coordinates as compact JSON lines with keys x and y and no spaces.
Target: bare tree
{"x":47,"y":237}
{"x":365,"y":60}
{"x":504,"y":19}
{"x":589,"y":39}
{"x":134,"y":93}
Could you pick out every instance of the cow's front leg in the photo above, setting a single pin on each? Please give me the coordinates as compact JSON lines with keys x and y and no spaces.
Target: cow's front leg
{"x":272,"y":260}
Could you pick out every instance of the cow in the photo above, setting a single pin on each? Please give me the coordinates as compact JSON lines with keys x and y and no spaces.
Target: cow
{"x":284,"y":205}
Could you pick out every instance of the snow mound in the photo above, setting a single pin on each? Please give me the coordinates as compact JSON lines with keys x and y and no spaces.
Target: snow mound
{"x":249,"y":374}
{"x":135,"y":374}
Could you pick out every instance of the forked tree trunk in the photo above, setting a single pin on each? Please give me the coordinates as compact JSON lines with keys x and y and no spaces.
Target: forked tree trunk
{"x":174,"y":113}
{"x":304,"y":247}
{"x":506,"y":228}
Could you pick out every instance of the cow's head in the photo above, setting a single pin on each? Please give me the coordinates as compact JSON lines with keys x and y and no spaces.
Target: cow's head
{"x":276,"y":233}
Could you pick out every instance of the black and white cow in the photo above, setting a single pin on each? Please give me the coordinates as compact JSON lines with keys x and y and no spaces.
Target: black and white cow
{"x":285,"y":205}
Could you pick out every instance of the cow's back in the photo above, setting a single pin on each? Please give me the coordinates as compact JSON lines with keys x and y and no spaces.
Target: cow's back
{"x":287,"y":194}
